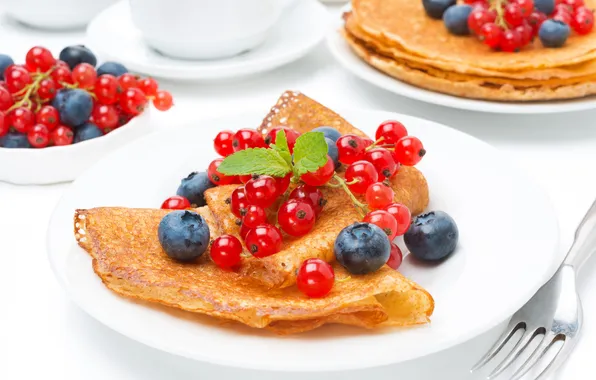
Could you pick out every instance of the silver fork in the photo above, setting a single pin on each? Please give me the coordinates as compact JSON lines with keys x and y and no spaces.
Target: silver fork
{"x":554,"y":312}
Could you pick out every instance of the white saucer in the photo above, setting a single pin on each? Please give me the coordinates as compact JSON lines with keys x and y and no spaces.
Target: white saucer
{"x":350,"y":61}
{"x":507,"y":249}
{"x":113,"y":36}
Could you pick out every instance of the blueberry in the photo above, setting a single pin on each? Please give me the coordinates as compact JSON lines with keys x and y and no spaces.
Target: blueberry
{"x":329,"y":132}
{"x":545,"y":6}
{"x":114,"y":68}
{"x":86,"y":131}
{"x":14,"y":140}
{"x":194,"y":186}
{"x":332,"y":151}
{"x":184,"y":235}
{"x":362,"y":248}
{"x":75,"y":107}
{"x":5,"y":61}
{"x":456,"y":19}
{"x":60,"y":96}
{"x":73,"y":55}
{"x":436,"y":8}
{"x":432,"y":236}
{"x":553,"y":33}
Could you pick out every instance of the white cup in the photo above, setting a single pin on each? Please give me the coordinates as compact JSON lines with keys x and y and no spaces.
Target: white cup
{"x":205,"y":29}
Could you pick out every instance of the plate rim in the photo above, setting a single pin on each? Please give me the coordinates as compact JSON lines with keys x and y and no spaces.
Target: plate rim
{"x":334,"y":43}
{"x":227,"y":71}
{"x":169,"y":348}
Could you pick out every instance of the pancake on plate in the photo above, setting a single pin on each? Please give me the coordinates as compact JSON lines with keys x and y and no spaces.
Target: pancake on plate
{"x":130,"y":260}
{"x":398,"y":38}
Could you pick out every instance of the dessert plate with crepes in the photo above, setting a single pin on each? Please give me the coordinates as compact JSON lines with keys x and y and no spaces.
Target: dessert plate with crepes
{"x":394,"y":45}
{"x":104,"y":249}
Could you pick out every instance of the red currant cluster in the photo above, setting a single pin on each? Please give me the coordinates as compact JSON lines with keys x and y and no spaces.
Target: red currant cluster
{"x":370,"y":166}
{"x":28,"y":90}
{"x":509,"y":25}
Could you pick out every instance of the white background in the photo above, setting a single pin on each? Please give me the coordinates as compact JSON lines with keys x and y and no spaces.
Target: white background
{"x":45,"y":336}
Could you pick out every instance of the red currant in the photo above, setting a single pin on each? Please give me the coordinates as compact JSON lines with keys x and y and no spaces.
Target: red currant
{"x":491,"y":34}
{"x":264,"y":240}
{"x":247,"y":138}
{"x":315,"y":278}
{"x":574,"y":3}
{"x":61,"y":136}
{"x":21,"y":119}
{"x":261,"y":191}
{"x":123,"y":117}
{"x":149,"y":86}
{"x":127,"y":81}
{"x":38,"y":136}
{"x":363,"y":174}
{"x":282,"y":184}
{"x":321,"y":176}
{"x":395,"y":257}
{"x":3,"y":124}
{"x":133,"y":101}
{"x":383,"y":220}
{"x":40,"y":58}
{"x":296,"y":217}
{"x":383,"y":161}
{"x":391,"y":131}
{"x":84,"y":75}
{"x":254,"y":216}
{"x":61,"y":75}
{"x":526,"y":32}
{"x":379,"y":195}
{"x":16,"y":78}
{"x":6,"y":100}
{"x":61,"y":63}
{"x":106,"y":89}
{"x":244,"y":230}
{"x":310,"y":194}
{"x":223,"y":143}
{"x":536,"y":19}
{"x":105,"y":116}
{"x":47,"y":89}
{"x":48,"y":116}
{"x":367,"y":142}
{"x":176,"y":202}
{"x":409,"y":151}
{"x":402,"y":215}
{"x":582,"y":22}
{"x":526,"y":6}
{"x":217,"y":177}
{"x":513,"y":14}
{"x":563,"y":16}
{"x":245,"y":178}
{"x":226,"y":251}
{"x":163,"y":100}
{"x":291,"y":136}
{"x":351,"y":149}
{"x":478,"y":18}
{"x":238,"y":202}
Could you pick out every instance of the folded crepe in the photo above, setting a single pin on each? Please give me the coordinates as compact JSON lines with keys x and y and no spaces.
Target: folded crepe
{"x":128,"y":257}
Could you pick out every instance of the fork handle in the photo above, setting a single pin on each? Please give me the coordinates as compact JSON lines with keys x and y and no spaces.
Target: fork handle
{"x":584,"y":243}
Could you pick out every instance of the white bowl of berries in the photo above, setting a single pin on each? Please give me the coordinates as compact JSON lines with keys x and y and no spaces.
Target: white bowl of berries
{"x":59,"y":116}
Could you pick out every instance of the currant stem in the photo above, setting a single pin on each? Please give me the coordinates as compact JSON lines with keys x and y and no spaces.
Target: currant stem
{"x":34,"y":86}
{"x":375,"y":144}
{"x":497,"y":6}
{"x":360,"y":207}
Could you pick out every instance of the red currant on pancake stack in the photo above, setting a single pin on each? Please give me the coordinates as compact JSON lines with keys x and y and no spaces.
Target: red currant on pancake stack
{"x":57,"y":101}
{"x":511,"y":25}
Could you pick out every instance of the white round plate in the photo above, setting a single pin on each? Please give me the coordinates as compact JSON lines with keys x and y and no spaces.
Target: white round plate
{"x":349,"y":60}
{"x":64,"y":163}
{"x":508,"y":248}
{"x":114,"y":37}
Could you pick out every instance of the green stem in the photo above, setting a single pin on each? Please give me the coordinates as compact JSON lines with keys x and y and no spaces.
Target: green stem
{"x":374,"y":144}
{"x":497,"y":6}
{"x":30,"y":89}
{"x":360,"y":207}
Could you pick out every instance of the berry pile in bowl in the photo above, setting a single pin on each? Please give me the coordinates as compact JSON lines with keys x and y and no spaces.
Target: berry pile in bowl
{"x":510,"y":25}
{"x":280,"y":180}
{"x":57,"y":105}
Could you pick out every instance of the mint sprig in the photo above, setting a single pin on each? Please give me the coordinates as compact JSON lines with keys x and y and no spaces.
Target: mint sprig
{"x":310,"y":153}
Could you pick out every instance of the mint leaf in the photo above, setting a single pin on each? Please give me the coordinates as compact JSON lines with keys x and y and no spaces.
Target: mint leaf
{"x":310,"y":152}
{"x":255,"y":161}
{"x":281,"y":146}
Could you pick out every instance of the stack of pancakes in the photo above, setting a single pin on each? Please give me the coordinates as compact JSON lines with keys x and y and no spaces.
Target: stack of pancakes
{"x":398,"y":38}
{"x":261,"y":293}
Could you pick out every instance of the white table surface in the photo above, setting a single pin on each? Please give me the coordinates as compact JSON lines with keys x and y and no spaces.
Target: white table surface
{"x":43,"y":335}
